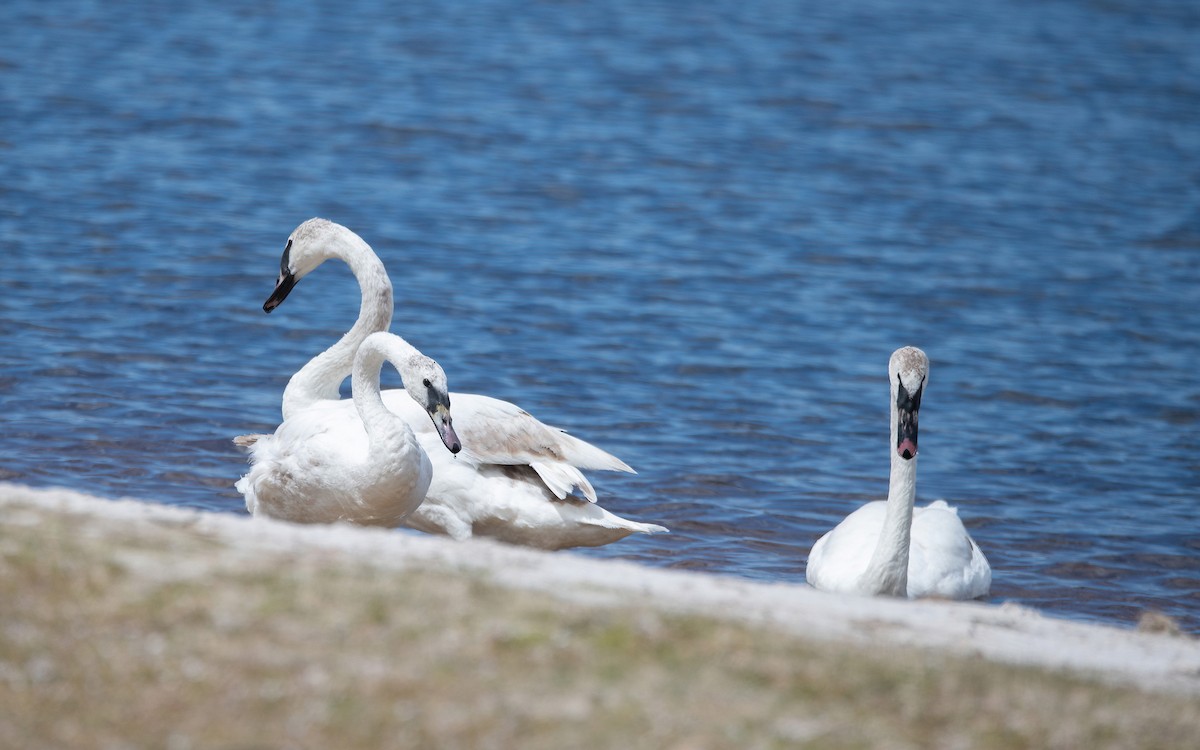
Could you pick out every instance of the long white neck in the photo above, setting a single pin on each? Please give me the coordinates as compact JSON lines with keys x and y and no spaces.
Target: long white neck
{"x":322,"y":377}
{"x":887,"y":573}
{"x":383,"y":427}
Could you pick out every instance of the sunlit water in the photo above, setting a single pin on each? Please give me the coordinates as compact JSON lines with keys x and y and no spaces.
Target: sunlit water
{"x":692,"y":233}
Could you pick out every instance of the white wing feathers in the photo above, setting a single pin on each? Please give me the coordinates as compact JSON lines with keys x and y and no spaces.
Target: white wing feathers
{"x":498,"y":432}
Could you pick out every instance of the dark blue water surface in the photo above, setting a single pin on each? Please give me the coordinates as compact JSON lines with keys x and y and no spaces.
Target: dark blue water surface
{"x":691,"y":232}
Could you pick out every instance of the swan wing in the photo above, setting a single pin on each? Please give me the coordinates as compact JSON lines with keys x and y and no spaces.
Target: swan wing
{"x":501,"y":433}
{"x":944,"y":560}
{"x":504,"y":433}
{"x":840,"y":557}
{"x":315,"y":436}
{"x":296,"y":470}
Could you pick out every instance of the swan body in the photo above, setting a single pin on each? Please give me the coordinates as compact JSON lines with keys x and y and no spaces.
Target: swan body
{"x":889,"y":547}
{"x":321,"y":467}
{"x":517,"y":479}
{"x":943,"y":560}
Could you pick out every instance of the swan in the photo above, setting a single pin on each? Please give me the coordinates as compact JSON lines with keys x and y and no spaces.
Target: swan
{"x":889,"y":547}
{"x":517,"y":479}
{"x":320,"y":467}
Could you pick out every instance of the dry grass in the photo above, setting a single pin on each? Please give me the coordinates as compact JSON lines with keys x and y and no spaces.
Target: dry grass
{"x":148,"y":635}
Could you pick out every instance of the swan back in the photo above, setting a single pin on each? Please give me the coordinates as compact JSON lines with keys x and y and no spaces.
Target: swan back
{"x":943,"y":561}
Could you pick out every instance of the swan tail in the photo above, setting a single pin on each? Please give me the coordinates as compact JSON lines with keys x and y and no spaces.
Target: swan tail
{"x":562,"y":479}
{"x":584,"y":455}
{"x":594,"y":515}
{"x":651,"y":528}
{"x":246,"y":442}
{"x":612,"y":521}
{"x":245,"y":485}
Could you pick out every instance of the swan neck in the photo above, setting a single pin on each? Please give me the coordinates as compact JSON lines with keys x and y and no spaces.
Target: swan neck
{"x":382,"y":426}
{"x":321,"y":378}
{"x":887,"y":572}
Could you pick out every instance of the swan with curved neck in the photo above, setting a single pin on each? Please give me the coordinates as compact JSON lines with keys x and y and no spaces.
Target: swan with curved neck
{"x":889,"y":547}
{"x":316,"y":241}
{"x":516,"y":477}
{"x":370,"y":471}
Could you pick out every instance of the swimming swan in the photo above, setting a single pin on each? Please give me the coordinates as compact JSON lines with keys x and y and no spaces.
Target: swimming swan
{"x":513,"y":480}
{"x":320,"y":466}
{"x":889,"y":547}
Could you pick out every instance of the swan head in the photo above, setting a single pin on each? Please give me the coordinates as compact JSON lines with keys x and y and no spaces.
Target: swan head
{"x":425,"y":382}
{"x":306,"y":248}
{"x":908,"y":371}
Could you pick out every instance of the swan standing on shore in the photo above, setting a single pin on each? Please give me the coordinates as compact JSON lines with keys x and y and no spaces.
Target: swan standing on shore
{"x":513,"y":480}
{"x":321,"y":466}
{"x":889,"y":547}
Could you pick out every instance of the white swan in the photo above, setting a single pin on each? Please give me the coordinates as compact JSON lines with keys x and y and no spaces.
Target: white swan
{"x":514,"y":478}
{"x":889,"y":547}
{"x":321,"y":467}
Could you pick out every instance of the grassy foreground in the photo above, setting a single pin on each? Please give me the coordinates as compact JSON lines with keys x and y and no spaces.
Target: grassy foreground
{"x":153,"y":634}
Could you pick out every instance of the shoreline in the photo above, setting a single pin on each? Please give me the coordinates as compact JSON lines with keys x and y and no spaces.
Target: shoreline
{"x":129,"y":624}
{"x":1005,"y":633}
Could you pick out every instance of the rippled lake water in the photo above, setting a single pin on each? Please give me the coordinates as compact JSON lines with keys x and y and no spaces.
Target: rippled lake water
{"x":691,"y":233}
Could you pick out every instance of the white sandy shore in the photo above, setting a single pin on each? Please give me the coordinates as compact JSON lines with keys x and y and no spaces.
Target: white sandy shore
{"x":1001,"y":633}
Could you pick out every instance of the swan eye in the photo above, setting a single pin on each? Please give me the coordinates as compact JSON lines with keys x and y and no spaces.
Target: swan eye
{"x":427,"y":383}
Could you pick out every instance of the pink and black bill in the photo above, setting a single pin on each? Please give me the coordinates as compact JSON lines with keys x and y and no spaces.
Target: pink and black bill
{"x":284,"y":284}
{"x":446,"y":431}
{"x":907,"y":406}
{"x":440,"y":414}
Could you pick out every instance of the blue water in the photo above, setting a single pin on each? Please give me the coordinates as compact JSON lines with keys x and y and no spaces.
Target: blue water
{"x":691,"y":232}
